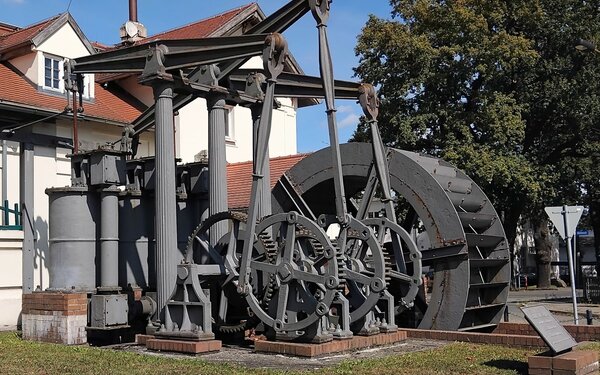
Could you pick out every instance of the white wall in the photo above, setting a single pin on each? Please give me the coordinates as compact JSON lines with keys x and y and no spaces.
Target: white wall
{"x":10,"y":278}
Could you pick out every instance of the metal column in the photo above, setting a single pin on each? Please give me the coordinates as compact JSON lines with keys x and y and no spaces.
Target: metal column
{"x":27,"y":214}
{"x":109,"y":239}
{"x":166,"y":216}
{"x":217,"y":162}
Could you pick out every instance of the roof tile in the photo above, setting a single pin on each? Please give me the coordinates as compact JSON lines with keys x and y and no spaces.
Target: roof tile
{"x":239,"y":178}
{"x":24,"y":35}
{"x":107,"y":104}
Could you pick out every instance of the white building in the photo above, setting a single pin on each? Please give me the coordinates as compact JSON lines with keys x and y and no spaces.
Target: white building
{"x":32,"y":90}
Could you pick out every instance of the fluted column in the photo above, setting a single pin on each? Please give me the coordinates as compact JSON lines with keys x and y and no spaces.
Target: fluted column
{"x":166,"y":215}
{"x":217,"y":162}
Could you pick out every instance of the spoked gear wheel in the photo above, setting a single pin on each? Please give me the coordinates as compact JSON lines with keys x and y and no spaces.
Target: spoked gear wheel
{"x":363,"y":265}
{"x":305,"y":281}
{"x":403,"y":259}
{"x":467,"y":247}
{"x":230,"y":311}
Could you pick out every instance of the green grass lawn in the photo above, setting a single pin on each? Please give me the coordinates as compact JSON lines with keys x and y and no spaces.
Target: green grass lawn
{"x":23,"y":357}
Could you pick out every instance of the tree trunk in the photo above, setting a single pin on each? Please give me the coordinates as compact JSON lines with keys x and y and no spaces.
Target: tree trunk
{"x":543,"y":251}
{"x":595,"y":221}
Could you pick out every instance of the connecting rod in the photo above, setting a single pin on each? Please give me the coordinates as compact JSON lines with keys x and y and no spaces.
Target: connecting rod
{"x":320,"y":10}
{"x":274,"y":55}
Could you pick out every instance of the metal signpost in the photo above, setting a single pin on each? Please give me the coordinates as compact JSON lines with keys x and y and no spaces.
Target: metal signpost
{"x":565,"y":219}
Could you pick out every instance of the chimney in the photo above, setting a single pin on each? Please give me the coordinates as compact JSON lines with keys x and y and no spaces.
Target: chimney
{"x":132,"y":30}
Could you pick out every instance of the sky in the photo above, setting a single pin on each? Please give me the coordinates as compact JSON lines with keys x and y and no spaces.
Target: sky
{"x":100,"y":21}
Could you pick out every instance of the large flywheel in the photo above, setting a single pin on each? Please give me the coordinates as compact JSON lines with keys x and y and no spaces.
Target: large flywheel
{"x":465,"y":247}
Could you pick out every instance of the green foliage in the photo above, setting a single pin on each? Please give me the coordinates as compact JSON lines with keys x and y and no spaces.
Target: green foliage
{"x":495,"y":87}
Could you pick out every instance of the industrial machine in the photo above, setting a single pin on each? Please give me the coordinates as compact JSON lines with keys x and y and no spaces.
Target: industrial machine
{"x":157,"y":249}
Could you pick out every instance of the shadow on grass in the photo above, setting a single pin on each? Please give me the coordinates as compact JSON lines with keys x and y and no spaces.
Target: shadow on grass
{"x":509,"y":364}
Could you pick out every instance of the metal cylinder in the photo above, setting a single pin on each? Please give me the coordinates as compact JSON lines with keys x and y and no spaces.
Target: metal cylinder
{"x":166,"y":212}
{"x":73,"y":216}
{"x":137,"y":266}
{"x":217,"y":163}
{"x":109,"y":238}
{"x":133,"y":13}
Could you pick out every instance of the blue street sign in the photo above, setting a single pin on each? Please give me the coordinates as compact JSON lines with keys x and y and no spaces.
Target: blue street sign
{"x":583,"y":232}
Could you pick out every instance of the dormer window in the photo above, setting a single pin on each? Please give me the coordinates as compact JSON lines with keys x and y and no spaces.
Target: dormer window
{"x":53,"y":73}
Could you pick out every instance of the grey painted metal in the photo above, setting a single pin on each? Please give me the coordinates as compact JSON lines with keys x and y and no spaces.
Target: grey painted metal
{"x":320,"y":11}
{"x":178,"y":54}
{"x":107,"y":168}
{"x":27,"y":182}
{"x":264,"y":196}
{"x":274,"y":55}
{"x":109,"y":310}
{"x":550,"y":329}
{"x":571,"y":265}
{"x":276,"y":23}
{"x":74,"y":215}
{"x":217,"y":161}
{"x":137,"y":255}
{"x":109,"y":238}
{"x":166,"y":219}
{"x":455,"y":304}
{"x":37,"y":139}
{"x":292,"y":85}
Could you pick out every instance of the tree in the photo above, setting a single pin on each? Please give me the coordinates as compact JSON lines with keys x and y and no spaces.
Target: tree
{"x":494,"y":86}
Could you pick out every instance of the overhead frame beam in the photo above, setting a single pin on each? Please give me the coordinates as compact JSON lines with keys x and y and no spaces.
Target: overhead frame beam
{"x":179,"y":54}
{"x":278,"y":22}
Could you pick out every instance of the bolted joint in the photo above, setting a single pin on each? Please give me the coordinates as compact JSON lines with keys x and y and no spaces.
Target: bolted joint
{"x":274,"y":55}
{"x":368,"y":101}
{"x":155,"y":67}
{"x":320,"y":10}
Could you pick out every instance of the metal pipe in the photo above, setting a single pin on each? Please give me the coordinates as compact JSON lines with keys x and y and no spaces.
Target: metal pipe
{"x":264,"y":198}
{"x":166,"y":216}
{"x":109,"y":239}
{"x":27,"y":215}
{"x":568,"y":237}
{"x":75,"y":126}
{"x":4,"y":177}
{"x":133,"y":15}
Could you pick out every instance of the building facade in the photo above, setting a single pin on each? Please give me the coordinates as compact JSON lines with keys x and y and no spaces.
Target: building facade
{"x":35,"y":114}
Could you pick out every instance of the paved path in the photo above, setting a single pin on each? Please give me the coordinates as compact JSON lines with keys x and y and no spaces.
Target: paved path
{"x":558,"y":301}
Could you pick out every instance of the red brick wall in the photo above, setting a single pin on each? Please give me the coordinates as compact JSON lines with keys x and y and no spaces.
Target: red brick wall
{"x":480,"y":338}
{"x":580,"y":333}
{"x":46,"y":303}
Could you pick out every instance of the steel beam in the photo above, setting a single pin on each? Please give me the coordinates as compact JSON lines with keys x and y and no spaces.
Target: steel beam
{"x":278,"y":22}
{"x":179,"y":54}
{"x":27,"y":215}
{"x":291,"y":85}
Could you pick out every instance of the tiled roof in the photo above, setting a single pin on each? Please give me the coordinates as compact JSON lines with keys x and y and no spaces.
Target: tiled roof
{"x":107,"y":104}
{"x":25,"y":35}
{"x":6,"y":28}
{"x":239,"y":178}
{"x":199,"y":29}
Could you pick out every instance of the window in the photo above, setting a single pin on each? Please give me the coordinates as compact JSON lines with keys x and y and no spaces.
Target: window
{"x":52,"y":73}
{"x":229,"y":121}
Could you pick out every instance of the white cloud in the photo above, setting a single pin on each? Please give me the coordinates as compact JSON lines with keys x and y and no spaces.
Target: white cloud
{"x":351,"y":119}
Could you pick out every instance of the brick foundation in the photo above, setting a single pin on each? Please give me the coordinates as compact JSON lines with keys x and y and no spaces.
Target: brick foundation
{"x":476,"y":337}
{"x":180,"y":346}
{"x":335,"y":346}
{"x":55,"y":317}
{"x":580,"y":333}
{"x":578,"y":362}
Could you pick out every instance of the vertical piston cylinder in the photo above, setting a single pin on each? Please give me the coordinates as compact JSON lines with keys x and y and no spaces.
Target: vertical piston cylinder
{"x":72,"y":253}
{"x":109,"y":238}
